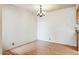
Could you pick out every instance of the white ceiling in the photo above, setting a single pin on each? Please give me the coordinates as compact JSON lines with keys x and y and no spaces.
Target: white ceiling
{"x":47,"y":7}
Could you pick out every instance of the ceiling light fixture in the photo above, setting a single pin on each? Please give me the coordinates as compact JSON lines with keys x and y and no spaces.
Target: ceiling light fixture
{"x":40,"y":12}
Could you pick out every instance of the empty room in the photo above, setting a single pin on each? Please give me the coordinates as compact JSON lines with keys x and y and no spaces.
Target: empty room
{"x":0,"y":29}
{"x":46,"y":29}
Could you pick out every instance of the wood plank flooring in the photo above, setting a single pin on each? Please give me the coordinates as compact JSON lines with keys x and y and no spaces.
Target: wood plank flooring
{"x":42,"y":48}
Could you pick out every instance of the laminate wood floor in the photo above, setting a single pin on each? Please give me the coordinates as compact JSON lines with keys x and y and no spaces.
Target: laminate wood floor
{"x":42,"y":48}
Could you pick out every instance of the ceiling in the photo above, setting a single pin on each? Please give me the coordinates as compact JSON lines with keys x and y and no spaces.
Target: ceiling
{"x":47,"y":7}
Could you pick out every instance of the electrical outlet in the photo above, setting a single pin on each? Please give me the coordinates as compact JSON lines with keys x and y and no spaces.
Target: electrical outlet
{"x":13,"y":44}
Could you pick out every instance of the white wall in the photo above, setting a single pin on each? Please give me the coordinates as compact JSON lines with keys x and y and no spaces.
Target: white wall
{"x":19,"y":26}
{"x":0,"y":29}
{"x":58,"y":26}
